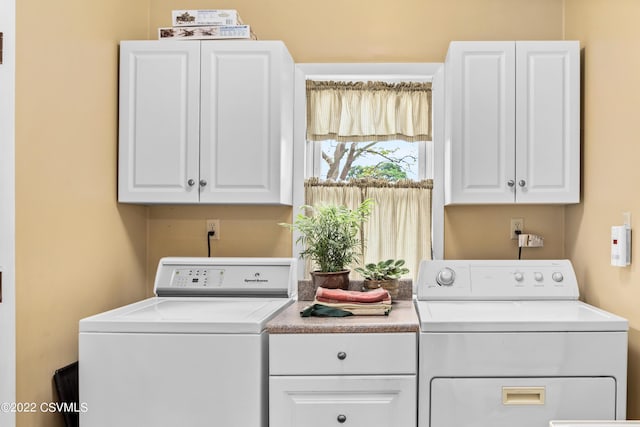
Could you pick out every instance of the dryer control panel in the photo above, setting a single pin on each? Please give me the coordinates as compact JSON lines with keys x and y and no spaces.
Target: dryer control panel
{"x":496,"y":280}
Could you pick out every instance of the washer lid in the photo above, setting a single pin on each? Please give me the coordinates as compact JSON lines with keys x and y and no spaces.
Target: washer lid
{"x":515,"y":316}
{"x":188,"y":315}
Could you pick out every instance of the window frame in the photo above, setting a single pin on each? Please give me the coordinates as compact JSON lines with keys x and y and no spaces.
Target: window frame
{"x":389,"y":72}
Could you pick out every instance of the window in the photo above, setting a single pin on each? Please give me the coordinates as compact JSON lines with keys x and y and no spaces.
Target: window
{"x":388,"y":160}
{"x":350,"y":164}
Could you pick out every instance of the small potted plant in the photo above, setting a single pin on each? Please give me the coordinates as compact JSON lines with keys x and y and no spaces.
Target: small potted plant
{"x":331,"y":237}
{"x":384,"y":274}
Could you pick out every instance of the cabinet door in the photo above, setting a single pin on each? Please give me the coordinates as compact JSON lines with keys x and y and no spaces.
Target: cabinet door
{"x":246,"y":122}
{"x":480,"y":122}
{"x":159,"y":115}
{"x":548,"y":122}
{"x":365,"y":401}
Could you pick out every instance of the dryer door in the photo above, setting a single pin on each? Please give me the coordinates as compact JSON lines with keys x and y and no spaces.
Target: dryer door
{"x":522,"y":402}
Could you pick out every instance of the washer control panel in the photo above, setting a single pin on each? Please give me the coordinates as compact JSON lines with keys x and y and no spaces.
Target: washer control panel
{"x":204,"y":277}
{"x":225,"y":276}
{"x":496,"y":280}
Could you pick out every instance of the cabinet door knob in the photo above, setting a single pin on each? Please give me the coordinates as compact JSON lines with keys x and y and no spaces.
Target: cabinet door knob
{"x":522,"y":183}
{"x":191,"y":183}
{"x":342,"y":418}
{"x":342,"y":355}
{"x":511,"y":183}
{"x":203,"y":182}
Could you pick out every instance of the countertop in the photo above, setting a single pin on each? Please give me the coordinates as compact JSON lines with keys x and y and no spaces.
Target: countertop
{"x":402,"y":318}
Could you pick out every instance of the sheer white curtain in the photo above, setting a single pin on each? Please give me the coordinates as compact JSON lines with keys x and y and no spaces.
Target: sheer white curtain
{"x":400,"y":223}
{"x":368,"y":111}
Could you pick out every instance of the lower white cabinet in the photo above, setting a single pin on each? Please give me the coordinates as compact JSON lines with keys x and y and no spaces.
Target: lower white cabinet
{"x":358,"y":401}
{"x":355,"y":380}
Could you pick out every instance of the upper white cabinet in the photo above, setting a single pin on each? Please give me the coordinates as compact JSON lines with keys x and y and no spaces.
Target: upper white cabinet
{"x":205,"y":122}
{"x":512,"y":122}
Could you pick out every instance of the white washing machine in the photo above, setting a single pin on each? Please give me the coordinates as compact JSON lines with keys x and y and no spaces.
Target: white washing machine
{"x":194,"y":355}
{"x":507,"y":343}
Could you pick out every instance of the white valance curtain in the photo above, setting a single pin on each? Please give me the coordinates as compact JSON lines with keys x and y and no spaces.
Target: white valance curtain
{"x":400,"y":223}
{"x":368,"y":111}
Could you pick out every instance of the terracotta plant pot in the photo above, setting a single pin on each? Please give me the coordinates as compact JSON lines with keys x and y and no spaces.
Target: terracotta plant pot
{"x":331,"y":280}
{"x":391,"y":285}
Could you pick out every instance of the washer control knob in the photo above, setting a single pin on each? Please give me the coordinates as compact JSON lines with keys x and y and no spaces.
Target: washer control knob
{"x":538,"y":276}
{"x":446,"y":277}
{"x":557,"y":277}
{"x":342,"y":355}
{"x":342,"y":418}
{"x":518,"y":276}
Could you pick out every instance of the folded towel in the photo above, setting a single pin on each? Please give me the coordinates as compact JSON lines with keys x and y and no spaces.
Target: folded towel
{"x":320,"y":310}
{"x":339,"y":295}
{"x":340,"y":303}
{"x":359,"y":309}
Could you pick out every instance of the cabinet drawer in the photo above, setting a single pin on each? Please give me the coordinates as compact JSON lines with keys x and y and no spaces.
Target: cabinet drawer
{"x":364,"y":401}
{"x":342,"y":354}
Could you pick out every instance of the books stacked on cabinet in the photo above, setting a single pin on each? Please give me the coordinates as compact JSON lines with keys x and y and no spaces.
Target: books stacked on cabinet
{"x":211,"y":24}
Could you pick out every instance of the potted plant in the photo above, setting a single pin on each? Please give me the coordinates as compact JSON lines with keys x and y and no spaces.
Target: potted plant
{"x":384,"y":274}
{"x":331,"y":239}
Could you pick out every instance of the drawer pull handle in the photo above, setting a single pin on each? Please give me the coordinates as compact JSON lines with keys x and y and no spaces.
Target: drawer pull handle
{"x":342,"y":355}
{"x":342,"y":418}
{"x":523,"y":395}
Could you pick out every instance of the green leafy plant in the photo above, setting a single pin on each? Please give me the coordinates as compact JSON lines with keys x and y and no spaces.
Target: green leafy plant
{"x":384,"y":270}
{"x":331,"y":234}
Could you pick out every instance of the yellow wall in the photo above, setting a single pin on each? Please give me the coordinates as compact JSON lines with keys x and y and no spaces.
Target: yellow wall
{"x":71,"y":232}
{"x":482,"y":232}
{"x":609,"y":33}
{"x":379,"y":30}
{"x":244,"y":231}
{"x":77,"y":251}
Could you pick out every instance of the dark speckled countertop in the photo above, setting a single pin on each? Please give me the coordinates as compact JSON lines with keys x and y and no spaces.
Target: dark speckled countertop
{"x":402,"y":318}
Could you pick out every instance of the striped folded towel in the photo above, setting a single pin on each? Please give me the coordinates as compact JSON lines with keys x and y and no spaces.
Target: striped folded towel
{"x":339,"y":296}
{"x":375,"y":302}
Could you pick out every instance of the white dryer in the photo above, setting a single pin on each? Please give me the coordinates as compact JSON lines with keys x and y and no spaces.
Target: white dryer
{"x":507,"y":343}
{"x":193,"y":355}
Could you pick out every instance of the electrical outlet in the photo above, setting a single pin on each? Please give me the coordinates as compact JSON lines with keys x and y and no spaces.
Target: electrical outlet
{"x":214,"y":225}
{"x":517,"y":224}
